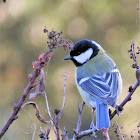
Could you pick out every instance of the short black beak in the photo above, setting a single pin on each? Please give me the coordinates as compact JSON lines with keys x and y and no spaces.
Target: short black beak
{"x":67,"y":57}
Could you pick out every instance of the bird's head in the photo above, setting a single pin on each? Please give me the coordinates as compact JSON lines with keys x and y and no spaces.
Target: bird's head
{"x":83,"y":51}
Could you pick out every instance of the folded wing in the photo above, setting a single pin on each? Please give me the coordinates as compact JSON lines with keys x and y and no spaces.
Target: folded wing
{"x":104,"y":87}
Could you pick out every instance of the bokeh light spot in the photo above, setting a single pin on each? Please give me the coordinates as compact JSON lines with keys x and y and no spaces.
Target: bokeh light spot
{"x":77,"y":28}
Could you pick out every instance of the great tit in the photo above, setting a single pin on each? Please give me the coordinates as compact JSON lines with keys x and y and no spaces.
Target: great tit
{"x":97,"y":78}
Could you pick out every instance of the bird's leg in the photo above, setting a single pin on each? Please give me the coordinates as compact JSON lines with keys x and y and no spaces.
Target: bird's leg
{"x":92,"y":126}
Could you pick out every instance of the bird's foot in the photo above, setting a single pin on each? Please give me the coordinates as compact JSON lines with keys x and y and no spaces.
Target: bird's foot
{"x":118,"y":109}
{"x":93,"y":129}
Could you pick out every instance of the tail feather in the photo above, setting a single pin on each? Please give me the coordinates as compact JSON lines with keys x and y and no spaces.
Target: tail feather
{"x":102,"y":116}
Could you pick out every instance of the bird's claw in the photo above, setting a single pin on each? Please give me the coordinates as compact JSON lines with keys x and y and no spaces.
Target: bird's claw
{"x":118,"y":109}
{"x":93,"y":129}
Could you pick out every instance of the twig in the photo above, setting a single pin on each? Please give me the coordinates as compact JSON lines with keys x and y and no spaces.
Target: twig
{"x":33,"y":136}
{"x":138,"y":130}
{"x":39,"y":86}
{"x":132,"y":123}
{"x":55,"y":40}
{"x":83,"y":133}
{"x":65,"y":79}
{"x":132,"y":132}
{"x":131,"y":89}
{"x":80,"y":117}
{"x":49,"y":113}
{"x":133,"y":55}
{"x":40,"y":118}
{"x":128,"y":98}
{"x":59,"y":113}
{"x":57,"y":124}
{"x":44,"y":135}
{"x":65,"y":135}
{"x":122,"y":138}
{"x":31,"y":125}
{"x":18,"y":107}
{"x":79,"y":121}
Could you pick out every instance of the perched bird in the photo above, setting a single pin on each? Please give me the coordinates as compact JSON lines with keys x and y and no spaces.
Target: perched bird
{"x":97,"y":78}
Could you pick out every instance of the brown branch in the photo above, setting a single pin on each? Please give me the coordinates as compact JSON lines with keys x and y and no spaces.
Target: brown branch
{"x":18,"y":107}
{"x":128,"y":98}
{"x":55,"y":40}
{"x":40,"y":118}
{"x":39,"y":86}
{"x":137,"y":83}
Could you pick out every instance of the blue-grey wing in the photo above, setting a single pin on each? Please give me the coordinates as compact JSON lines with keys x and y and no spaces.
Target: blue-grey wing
{"x":104,"y":87}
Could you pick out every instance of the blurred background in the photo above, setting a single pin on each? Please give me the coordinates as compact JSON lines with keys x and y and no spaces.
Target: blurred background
{"x":110,"y":23}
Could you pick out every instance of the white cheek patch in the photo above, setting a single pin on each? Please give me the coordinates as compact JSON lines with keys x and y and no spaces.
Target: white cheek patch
{"x":84,"y":57}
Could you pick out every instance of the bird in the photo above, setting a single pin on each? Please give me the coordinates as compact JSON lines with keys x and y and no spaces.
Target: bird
{"x":98,"y":80}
